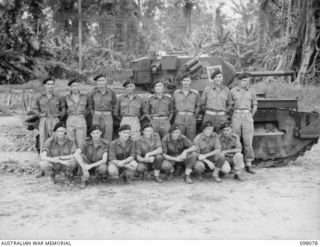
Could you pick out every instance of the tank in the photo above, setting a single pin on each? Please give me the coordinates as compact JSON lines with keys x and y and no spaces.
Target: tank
{"x":281,"y":131}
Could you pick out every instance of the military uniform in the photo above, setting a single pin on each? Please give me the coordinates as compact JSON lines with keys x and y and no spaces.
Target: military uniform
{"x":49,"y":110}
{"x":207,"y":144}
{"x":143,"y":146}
{"x":175,"y":148}
{"x":242,"y":121}
{"x":159,"y":110}
{"x":54,"y":149}
{"x":119,"y":152}
{"x":185,"y":108}
{"x":228,"y":143}
{"x":129,"y":111}
{"x":216,"y":101}
{"x":76,"y":122}
{"x":102,"y":106}
{"x":91,"y":154}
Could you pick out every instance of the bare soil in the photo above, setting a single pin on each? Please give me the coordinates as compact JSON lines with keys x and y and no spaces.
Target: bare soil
{"x":276,"y":203}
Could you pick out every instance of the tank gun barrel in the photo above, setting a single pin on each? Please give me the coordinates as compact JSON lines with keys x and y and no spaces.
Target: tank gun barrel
{"x":271,"y":73}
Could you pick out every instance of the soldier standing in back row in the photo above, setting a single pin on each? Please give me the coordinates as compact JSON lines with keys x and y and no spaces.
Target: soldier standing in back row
{"x":77,"y":108}
{"x":244,"y":108}
{"x":216,"y":100}
{"x":129,"y":109}
{"x":102,"y":101}
{"x":159,"y":109}
{"x":187,"y":106}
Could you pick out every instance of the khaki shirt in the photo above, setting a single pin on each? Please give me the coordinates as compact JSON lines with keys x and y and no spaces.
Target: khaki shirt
{"x":144,"y":146}
{"x":102,"y":101}
{"x":207,"y":144}
{"x":53,"y":107}
{"x":92,"y":153}
{"x":186,"y":103}
{"x":129,"y":107}
{"x":119,"y":152}
{"x":243,"y":99}
{"x":229,"y":142}
{"x":218,"y":100}
{"x":159,"y":106}
{"x":54,"y":149}
{"x":77,"y":108}
{"x":175,"y":147}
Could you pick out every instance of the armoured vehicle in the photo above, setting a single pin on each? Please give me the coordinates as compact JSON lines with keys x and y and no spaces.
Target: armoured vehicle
{"x":281,"y":131}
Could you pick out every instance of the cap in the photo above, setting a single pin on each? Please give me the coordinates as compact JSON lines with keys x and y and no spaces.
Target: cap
{"x":72,"y":81}
{"x":173,"y":128}
{"x":215,"y":73}
{"x":98,"y":76}
{"x":156,"y":82}
{"x":207,"y":124}
{"x":58,"y":125}
{"x":48,"y":79}
{"x":127,"y":82}
{"x":244,"y":75}
{"x":147,"y":125}
{"x":124,"y":127}
{"x":185,"y":75}
{"x":225,"y":125}
{"x":95,"y":127}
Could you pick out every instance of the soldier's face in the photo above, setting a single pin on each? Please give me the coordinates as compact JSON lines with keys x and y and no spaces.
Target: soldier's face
{"x":60,"y":132}
{"x":101,"y":83}
{"x":130,"y":88}
{"x":159,"y":88}
{"x":124,"y":135}
{"x":147,"y":132}
{"x":244,"y":82}
{"x":208,"y":131}
{"x":186,"y":82}
{"x":175,"y":134}
{"x":75,"y":87}
{"x":95,"y":134}
{"x":218,"y":79}
{"x":227,"y":131}
{"x":49,"y":86}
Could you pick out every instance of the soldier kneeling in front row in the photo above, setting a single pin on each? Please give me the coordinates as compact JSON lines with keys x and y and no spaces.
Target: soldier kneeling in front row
{"x":231,"y":148}
{"x":57,"y":154}
{"x":92,"y":155}
{"x":121,"y":155}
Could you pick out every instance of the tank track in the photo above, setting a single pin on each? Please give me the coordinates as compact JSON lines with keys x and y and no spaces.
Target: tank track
{"x":285,"y":161}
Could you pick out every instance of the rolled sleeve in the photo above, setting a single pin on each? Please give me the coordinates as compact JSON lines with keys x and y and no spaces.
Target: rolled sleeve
{"x":187,"y":143}
{"x":112,"y":152}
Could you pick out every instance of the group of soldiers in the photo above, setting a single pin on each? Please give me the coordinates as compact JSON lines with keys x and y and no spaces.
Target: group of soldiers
{"x":158,"y":145}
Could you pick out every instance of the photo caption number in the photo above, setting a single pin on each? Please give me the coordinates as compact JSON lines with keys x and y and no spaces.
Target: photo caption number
{"x":308,"y":242}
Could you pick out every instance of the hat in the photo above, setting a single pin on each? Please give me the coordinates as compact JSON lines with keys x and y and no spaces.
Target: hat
{"x":48,"y":79}
{"x":72,"y":81}
{"x":58,"y":125}
{"x":173,"y":128}
{"x":244,"y":75}
{"x":215,"y":73}
{"x":98,"y":76}
{"x":127,"y":82}
{"x":147,"y":125}
{"x":207,"y":124}
{"x":224,"y":125}
{"x":95,"y":127}
{"x":156,"y":82}
{"x":124,"y":127}
{"x":185,"y":75}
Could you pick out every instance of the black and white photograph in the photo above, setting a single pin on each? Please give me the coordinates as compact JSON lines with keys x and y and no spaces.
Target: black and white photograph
{"x":159,"y":120}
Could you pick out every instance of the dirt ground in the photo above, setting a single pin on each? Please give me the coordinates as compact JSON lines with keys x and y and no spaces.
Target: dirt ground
{"x":276,"y":203}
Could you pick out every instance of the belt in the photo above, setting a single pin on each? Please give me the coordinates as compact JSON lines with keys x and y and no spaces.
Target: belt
{"x":242,"y":111}
{"x":214,"y":113}
{"x":163,"y":117}
{"x":99,"y":113}
{"x":49,"y":116}
{"x":186,"y":113}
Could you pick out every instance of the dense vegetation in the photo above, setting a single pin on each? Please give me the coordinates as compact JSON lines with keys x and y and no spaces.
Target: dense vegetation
{"x":41,"y":37}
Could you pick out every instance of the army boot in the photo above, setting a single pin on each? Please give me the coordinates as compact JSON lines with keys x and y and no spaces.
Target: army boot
{"x":215,"y":175}
{"x":187,"y":179}
{"x":238,"y":178}
{"x":249,"y":170}
{"x":83,"y":185}
{"x":158,"y":179}
{"x":40,"y":174}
